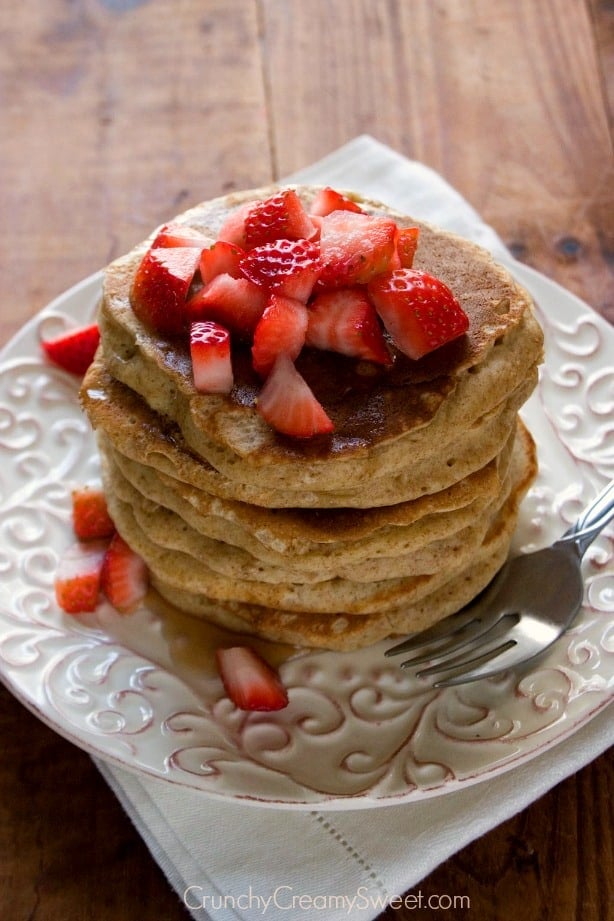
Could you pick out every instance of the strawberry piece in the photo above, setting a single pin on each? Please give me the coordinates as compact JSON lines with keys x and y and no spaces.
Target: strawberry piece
{"x":78,"y":577}
{"x":175,"y":234}
{"x":124,"y":578}
{"x":74,"y":351}
{"x":287,"y":267}
{"x":249,"y":681}
{"x":288,"y":404}
{"x":344,"y":320}
{"x":406,"y":246}
{"x":279,"y":217}
{"x":281,"y":328}
{"x":328,"y":200}
{"x":355,"y":247}
{"x":236,"y":303}
{"x":418,"y":310}
{"x":90,"y":515}
{"x":161,"y":285}
{"x":210,"y":353}
{"x":233,"y":227}
{"x":220,"y":259}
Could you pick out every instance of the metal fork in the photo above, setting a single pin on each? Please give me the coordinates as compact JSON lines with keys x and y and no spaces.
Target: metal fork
{"x":531,"y":601}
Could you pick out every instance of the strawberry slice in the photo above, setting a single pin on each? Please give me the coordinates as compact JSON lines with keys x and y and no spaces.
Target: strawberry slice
{"x":279,"y":217}
{"x":75,"y":350}
{"x":90,"y":515}
{"x":344,"y":320}
{"x":287,"y":267}
{"x":78,"y":577}
{"x":233,"y":227}
{"x":210,"y":353}
{"x":236,"y":303}
{"x":161,"y":285}
{"x":406,"y":246}
{"x":281,"y":328}
{"x":418,"y":310}
{"x":175,"y":234}
{"x":328,"y":200}
{"x":124,"y":578}
{"x":220,"y":259}
{"x":249,"y":681}
{"x":288,"y":404}
{"x":355,"y":247}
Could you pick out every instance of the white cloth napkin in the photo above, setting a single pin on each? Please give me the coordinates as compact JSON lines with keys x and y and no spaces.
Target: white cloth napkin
{"x":228,"y":861}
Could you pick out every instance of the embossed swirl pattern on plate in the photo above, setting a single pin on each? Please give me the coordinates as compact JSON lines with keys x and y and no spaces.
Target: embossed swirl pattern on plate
{"x":358,"y":732}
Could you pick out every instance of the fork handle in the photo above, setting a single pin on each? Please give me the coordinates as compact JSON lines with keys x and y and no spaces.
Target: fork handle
{"x":592,"y":520}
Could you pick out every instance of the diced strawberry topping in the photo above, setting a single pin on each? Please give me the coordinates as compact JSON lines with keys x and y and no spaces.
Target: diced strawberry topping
{"x":279,"y":217}
{"x":124,"y":578}
{"x":281,"y":328}
{"x":355,"y":247}
{"x":236,"y":303}
{"x":344,"y":320}
{"x":418,"y":310}
{"x":406,"y":246}
{"x":328,"y":200}
{"x":233,"y":228}
{"x":287,"y":267}
{"x":78,"y":577}
{"x":175,"y":234}
{"x":211,"y":360}
{"x":90,"y":515}
{"x":161,"y":285}
{"x":75,"y":350}
{"x":288,"y":404}
{"x":220,"y":259}
{"x":249,"y":681}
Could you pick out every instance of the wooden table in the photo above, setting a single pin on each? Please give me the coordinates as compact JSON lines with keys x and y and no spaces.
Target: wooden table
{"x":115,"y":115}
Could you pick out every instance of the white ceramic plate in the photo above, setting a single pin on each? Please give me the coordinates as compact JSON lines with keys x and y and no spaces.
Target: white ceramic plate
{"x":358,"y":732}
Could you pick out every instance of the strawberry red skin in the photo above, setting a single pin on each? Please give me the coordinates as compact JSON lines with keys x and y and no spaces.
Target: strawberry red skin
{"x":288,"y":405}
{"x":78,"y":577}
{"x":355,"y":247}
{"x":236,"y":303}
{"x":406,"y":246}
{"x":174,"y":234}
{"x":418,"y":310}
{"x":90,"y":515}
{"x":75,"y":350}
{"x":160,"y":287}
{"x":279,"y":217}
{"x":287,"y":267}
{"x":124,"y":577}
{"x":220,"y":259}
{"x":281,"y":328}
{"x":233,"y":227}
{"x":344,"y":320}
{"x":249,"y":681}
{"x":211,"y":359}
{"x":328,"y":200}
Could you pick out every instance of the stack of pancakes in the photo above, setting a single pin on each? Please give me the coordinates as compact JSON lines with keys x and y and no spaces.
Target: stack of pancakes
{"x":395,"y":520}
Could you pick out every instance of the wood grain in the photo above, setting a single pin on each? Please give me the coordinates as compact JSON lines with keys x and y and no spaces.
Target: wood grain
{"x":118,"y":113}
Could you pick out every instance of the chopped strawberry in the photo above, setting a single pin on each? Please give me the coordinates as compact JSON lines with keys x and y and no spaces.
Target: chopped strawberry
{"x":287,"y":267}
{"x":233,"y":228}
{"x":288,"y":404}
{"x":236,"y":303}
{"x":328,"y":200}
{"x":279,"y":217}
{"x":281,"y":328}
{"x":344,"y":320}
{"x":124,"y":578}
{"x":220,"y":259}
{"x":249,"y":681}
{"x":78,"y":577}
{"x":175,"y":234}
{"x":210,"y":353}
{"x":161,"y":285}
{"x":418,"y":310}
{"x":355,"y":247}
{"x":406,"y":246}
{"x":75,"y":350}
{"x":90,"y":515}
